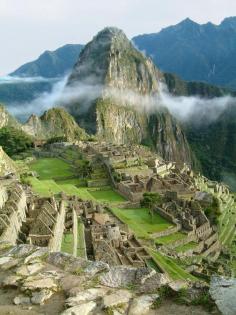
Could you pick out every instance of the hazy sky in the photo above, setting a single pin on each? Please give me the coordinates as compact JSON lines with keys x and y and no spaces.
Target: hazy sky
{"x":28,"y":27}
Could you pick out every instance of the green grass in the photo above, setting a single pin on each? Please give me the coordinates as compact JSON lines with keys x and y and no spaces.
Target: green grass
{"x":80,"y":192}
{"x":67,"y":243}
{"x":140,"y":221}
{"x":48,"y":168}
{"x":165,"y":240}
{"x":108,"y":195}
{"x":186,"y":247}
{"x":73,"y":181}
{"x":170,"y":267}
{"x":80,"y":246}
{"x":44,"y":188}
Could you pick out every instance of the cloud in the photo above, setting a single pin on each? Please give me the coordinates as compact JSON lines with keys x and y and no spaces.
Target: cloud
{"x":192,"y":109}
{"x":14,"y":79}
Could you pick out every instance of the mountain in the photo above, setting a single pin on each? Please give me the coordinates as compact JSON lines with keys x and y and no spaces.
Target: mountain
{"x":195,"y":52}
{"x":119,"y":80}
{"x":54,"y":123}
{"x":51,"y":64}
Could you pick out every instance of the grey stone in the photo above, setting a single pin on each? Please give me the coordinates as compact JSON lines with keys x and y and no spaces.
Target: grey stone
{"x":11,"y":264}
{"x":40,"y":282}
{"x":116,"y":298}
{"x":22,"y":250}
{"x":141,"y":305}
{"x":37,"y":255}
{"x":21,"y":299}
{"x":27,"y":270}
{"x":86,"y":295}
{"x":223,"y":292}
{"x":41,"y":296}
{"x":153,"y":283}
{"x":96,"y":267}
{"x":11,"y":281}
{"x":83,"y":309}
{"x":120,"y":276}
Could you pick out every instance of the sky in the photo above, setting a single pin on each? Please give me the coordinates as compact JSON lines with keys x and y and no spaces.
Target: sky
{"x":29,"y":27}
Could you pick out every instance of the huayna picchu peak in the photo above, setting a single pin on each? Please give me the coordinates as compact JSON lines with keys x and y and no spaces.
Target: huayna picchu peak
{"x":122,"y":80}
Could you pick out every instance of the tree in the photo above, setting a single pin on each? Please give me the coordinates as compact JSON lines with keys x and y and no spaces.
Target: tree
{"x":150,"y":200}
{"x":14,"y":141}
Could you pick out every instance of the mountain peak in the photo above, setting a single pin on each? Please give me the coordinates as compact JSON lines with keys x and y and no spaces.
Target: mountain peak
{"x":229,"y":22}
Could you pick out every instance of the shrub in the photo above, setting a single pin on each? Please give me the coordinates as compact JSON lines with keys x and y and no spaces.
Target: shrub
{"x":14,"y":141}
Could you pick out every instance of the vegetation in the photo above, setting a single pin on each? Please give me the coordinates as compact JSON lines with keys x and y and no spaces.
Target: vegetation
{"x":14,"y":141}
{"x":170,"y":267}
{"x":140,"y":222}
{"x":107,"y":195}
{"x":51,"y":168}
{"x":213,"y":211}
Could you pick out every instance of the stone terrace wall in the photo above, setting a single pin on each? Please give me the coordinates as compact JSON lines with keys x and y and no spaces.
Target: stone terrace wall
{"x":55,"y":242}
{"x":18,"y":207}
{"x":3,"y":195}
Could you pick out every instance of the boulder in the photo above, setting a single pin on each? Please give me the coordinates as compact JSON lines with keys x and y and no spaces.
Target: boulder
{"x":28,"y":270}
{"x":21,"y":300}
{"x":86,"y":295}
{"x":39,"y":282}
{"x":11,"y":281}
{"x":37,"y":255}
{"x":22,"y":250}
{"x":96,"y":267}
{"x":116,"y":298}
{"x":141,"y":305}
{"x":223,"y":292}
{"x":40,"y":297}
{"x":83,"y":309}
{"x":119,"y":276}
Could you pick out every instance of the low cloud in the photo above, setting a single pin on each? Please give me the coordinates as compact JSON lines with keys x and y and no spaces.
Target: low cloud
{"x":191,"y":109}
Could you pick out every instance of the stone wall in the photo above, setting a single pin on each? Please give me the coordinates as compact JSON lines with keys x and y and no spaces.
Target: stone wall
{"x":13,"y":214}
{"x":55,"y":242}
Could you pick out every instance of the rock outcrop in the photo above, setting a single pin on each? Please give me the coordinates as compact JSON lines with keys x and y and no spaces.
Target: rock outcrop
{"x":6,"y":120}
{"x":121,"y":104}
{"x":7,"y":165}
{"x":54,"y":123}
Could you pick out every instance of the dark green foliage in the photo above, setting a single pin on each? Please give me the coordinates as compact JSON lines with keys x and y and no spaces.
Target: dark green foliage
{"x":150,"y":199}
{"x":56,"y":139}
{"x":213,"y":211}
{"x":84,"y":168}
{"x":14,"y":141}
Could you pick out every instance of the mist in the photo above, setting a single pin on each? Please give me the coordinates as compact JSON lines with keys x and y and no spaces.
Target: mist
{"x":192,"y":109}
{"x":14,"y":79}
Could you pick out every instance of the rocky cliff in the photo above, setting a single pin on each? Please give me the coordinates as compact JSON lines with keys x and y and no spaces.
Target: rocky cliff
{"x":122,"y":106}
{"x":55,"y":122}
{"x":6,"y":120}
{"x":6,"y":164}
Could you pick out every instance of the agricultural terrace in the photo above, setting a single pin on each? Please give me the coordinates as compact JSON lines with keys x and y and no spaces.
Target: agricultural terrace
{"x":141,"y":222}
{"x":168,"y":265}
{"x":51,"y":168}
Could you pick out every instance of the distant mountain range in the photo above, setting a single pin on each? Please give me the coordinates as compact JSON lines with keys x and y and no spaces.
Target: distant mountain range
{"x":195,"y":52}
{"x":51,"y":64}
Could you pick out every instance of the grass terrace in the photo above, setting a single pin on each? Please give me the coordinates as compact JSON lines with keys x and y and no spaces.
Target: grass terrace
{"x":165,"y":240}
{"x":51,"y":168}
{"x":67,"y":243}
{"x":170,"y":266}
{"x":186,"y":247}
{"x":106,"y":195}
{"x":140,"y":221}
{"x":44,"y":188}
